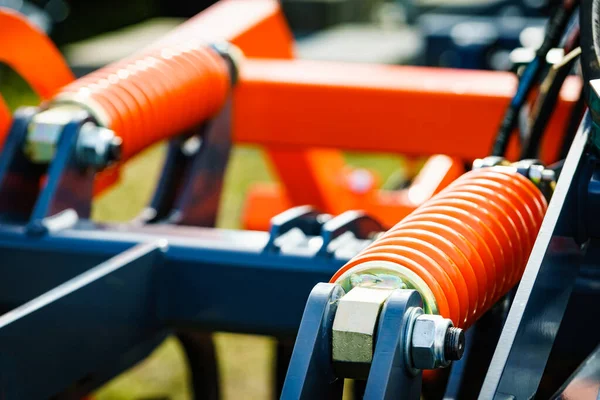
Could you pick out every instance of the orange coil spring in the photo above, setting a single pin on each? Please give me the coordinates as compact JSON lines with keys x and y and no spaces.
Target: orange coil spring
{"x":155,"y":94}
{"x":469,"y":244}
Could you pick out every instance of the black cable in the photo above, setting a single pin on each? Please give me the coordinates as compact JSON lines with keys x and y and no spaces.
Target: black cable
{"x":550,"y":91}
{"x":532,"y":73}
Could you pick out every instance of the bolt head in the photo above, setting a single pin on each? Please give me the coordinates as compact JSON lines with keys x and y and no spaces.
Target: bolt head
{"x":97,"y":147}
{"x":428,"y":340}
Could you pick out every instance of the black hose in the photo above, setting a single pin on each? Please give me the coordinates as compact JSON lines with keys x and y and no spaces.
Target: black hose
{"x":547,"y":101}
{"x":533,"y":71}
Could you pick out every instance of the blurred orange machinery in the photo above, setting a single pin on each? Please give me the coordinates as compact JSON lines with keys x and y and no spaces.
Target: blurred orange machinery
{"x":306,"y":113}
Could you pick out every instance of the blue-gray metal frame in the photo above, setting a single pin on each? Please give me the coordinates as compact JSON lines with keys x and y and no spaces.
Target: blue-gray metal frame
{"x":544,"y":291}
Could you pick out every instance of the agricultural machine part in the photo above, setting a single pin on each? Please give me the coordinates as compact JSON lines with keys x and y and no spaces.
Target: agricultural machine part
{"x":400,"y":299}
{"x":462,"y":250}
{"x":137,"y":97}
{"x":259,"y":29}
{"x":514,"y":370}
{"x":387,"y":206}
{"x":429,"y":99}
{"x":557,"y":24}
{"x":373,"y":98}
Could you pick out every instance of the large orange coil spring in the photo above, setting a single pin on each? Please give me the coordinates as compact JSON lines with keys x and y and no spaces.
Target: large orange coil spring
{"x":463,"y":249}
{"x":155,"y":94}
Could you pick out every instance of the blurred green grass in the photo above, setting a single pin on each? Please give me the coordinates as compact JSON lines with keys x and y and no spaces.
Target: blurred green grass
{"x":245,"y":362}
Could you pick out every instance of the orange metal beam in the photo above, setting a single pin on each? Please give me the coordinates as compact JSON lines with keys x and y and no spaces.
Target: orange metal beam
{"x":404,"y":110}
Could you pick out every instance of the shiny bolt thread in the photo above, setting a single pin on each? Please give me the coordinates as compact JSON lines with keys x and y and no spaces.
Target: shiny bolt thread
{"x":454,"y":344}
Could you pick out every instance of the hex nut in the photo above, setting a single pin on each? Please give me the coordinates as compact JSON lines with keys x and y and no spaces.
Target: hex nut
{"x":44,"y":133}
{"x":428,"y":339}
{"x":354,"y":329}
{"x":97,"y":146}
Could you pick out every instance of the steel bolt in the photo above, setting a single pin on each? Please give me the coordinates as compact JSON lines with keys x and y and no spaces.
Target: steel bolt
{"x":97,"y":147}
{"x":454,"y":345}
{"x":114,"y":149}
{"x":435,"y":342}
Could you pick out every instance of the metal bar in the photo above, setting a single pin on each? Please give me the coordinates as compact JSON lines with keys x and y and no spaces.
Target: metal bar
{"x":198,"y":202}
{"x":201,"y":263}
{"x":169,"y":182}
{"x":189,"y":193}
{"x":68,"y":185}
{"x":19,"y":178}
{"x":541,"y":299}
{"x":87,"y":322}
{"x":345,"y":101}
{"x":310,"y":374}
{"x":390,"y":377}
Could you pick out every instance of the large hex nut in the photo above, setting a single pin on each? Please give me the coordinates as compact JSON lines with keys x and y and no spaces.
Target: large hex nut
{"x":354,"y":327}
{"x":427,"y":344}
{"x":44,"y":132}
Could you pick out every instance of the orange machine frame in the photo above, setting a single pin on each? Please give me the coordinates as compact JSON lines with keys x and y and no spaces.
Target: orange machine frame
{"x":297,"y":104}
{"x":306,"y":112}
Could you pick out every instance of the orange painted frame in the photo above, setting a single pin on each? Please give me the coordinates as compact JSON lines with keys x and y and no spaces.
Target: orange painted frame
{"x":404,"y":110}
{"x":392,"y":109}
